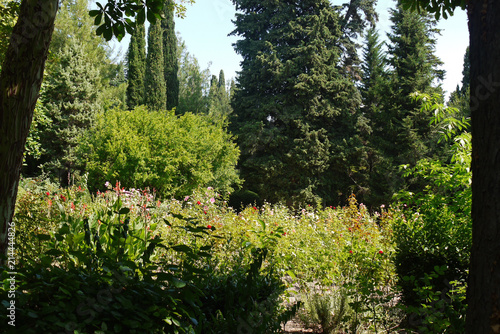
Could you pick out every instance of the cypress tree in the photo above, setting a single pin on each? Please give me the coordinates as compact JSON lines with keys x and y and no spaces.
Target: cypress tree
{"x":136,"y":61}
{"x":170,"y":55}
{"x":219,"y":104}
{"x":155,"y":89}
{"x":222,"y":81}
{"x":292,"y":108}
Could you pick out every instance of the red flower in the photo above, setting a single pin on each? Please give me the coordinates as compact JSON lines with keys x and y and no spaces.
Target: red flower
{"x":380,"y":252}
{"x":63,"y":198}
{"x":254,"y":208}
{"x":209,"y":227}
{"x":48,"y":194}
{"x":350,"y":251}
{"x":204,"y":212}
{"x":199,"y":203}
{"x":72,"y":205}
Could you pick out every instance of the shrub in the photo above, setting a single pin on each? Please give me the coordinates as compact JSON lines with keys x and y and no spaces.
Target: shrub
{"x":162,"y":151}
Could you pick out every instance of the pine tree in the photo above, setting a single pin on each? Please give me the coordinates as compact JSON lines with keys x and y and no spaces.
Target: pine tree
{"x":136,"y":61}
{"x":71,"y":101}
{"x":155,"y":96}
{"x":354,"y":17}
{"x":373,"y":90}
{"x":415,"y":67}
{"x":170,"y":55}
{"x":403,"y":133}
{"x":292,"y":108}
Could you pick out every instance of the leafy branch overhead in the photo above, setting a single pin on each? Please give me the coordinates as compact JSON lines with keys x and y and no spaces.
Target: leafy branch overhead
{"x":443,"y":7}
{"x":118,"y":17}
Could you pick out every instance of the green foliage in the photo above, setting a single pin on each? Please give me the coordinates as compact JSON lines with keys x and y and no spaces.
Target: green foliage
{"x":218,"y":99}
{"x":171,"y":67}
{"x":9,"y":10}
{"x":136,"y":63}
{"x":437,"y":232}
{"x":293,"y":108}
{"x":115,"y":18}
{"x":155,"y":90}
{"x":70,"y":100}
{"x":444,"y":8}
{"x":441,"y":311}
{"x":172,"y":154}
{"x":327,"y":310}
{"x":97,"y":256}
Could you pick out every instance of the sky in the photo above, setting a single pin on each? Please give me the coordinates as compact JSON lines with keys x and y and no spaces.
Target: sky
{"x":207,"y":24}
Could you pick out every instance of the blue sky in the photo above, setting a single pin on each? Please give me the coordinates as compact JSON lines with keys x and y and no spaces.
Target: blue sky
{"x":207,"y":24}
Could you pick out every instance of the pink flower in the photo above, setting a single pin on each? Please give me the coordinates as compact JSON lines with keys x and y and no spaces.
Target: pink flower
{"x":212,"y":200}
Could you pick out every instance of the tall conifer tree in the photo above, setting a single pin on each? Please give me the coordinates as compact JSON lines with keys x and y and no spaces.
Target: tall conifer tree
{"x":292,"y":108}
{"x":155,"y":89}
{"x":170,"y":55}
{"x":136,"y":61}
{"x":415,"y":68}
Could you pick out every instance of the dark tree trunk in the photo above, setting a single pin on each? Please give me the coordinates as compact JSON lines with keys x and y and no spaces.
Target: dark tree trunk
{"x":483,"y":295}
{"x":20,"y":82}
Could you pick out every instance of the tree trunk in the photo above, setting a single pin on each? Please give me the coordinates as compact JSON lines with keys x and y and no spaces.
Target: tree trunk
{"x":20,"y":82}
{"x":483,"y":295}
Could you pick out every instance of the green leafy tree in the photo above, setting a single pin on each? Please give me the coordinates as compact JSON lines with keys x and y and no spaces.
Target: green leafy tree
{"x":170,"y":56}
{"x":136,"y":63}
{"x":292,"y":108}
{"x":157,"y":149}
{"x":155,"y":91}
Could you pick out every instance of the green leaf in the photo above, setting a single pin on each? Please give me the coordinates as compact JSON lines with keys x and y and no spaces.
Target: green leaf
{"x":123,"y":211}
{"x":43,"y":237}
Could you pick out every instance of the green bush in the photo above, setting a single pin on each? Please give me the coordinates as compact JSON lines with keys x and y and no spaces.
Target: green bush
{"x":162,"y":151}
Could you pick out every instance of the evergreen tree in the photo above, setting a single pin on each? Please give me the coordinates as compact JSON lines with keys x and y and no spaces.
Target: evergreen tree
{"x":219,"y":103}
{"x":222,"y":81}
{"x":404,"y":133}
{"x":294,"y":113}
{"x":373,"y":89}
{"x":354,"y":17}
{"x":71,"y":102}
{"x":170,"y":55}
{"x":136,"y":61}
{"x":155,"y":96}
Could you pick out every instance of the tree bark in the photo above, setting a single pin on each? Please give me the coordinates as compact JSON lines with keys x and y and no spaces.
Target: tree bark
{"x":20,"y":82}
{"x":483,"y":294}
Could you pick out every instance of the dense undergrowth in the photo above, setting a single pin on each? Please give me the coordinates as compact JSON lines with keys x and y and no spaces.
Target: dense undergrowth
{"x":125,"y":261}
